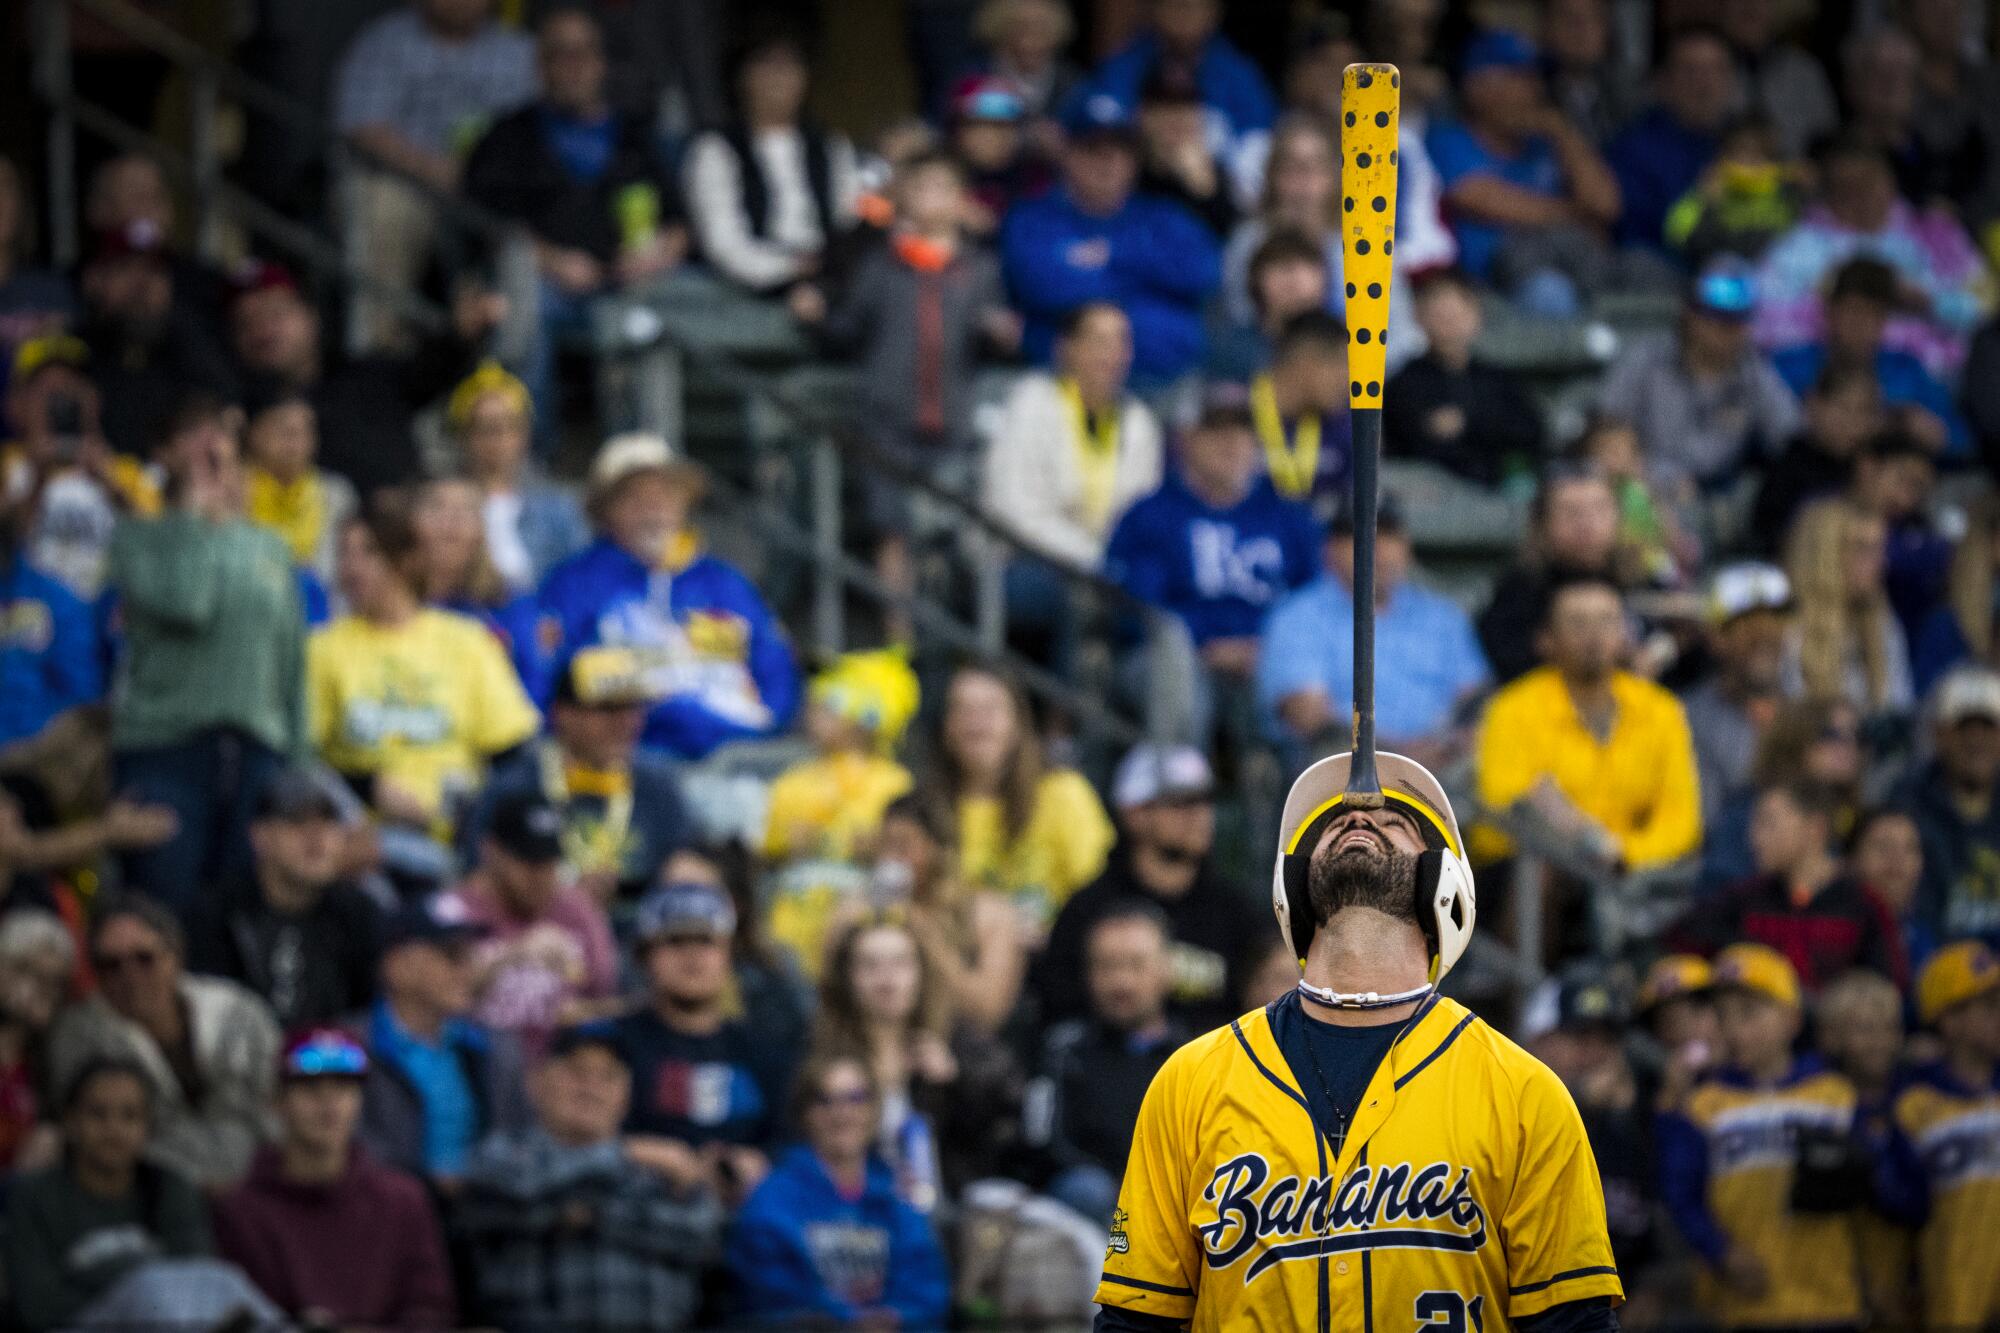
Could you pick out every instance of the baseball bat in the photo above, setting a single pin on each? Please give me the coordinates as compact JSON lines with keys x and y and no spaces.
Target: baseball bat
{"x":1371,"y":97}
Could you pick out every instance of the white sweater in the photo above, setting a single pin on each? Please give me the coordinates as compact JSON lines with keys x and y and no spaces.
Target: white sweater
{"x":1033,"y":485}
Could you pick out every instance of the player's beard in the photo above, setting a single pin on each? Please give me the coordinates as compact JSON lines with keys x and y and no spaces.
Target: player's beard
{"x":1360,"y":876}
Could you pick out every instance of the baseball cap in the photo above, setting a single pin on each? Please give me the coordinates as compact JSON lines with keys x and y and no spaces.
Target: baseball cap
{"x":295,"y":795}
{"x":580,"y":1036}
{"x":627,"y":455}
{"x":141,"y":238}
{"x":1388,"y":516}
{"x":1100,"y":117}
{"x":322,"y":1053}
{"x":1224,"y":403}
{"x":260,"y":275}
{"x":1760,"y":969}
{"x":1956,"y":973}
{"x":1725,"y":288}
{"x":874,"y":689}
{"x":1672,"y":978}
{"x":528,"y":828}
{"x":986,"y":97}
{"x":1498,"y":48}
{"x":604,"y":677}
{"x":1153,"y":772}
{"x":685,"y":908}
{"x":438,"y":919}
{"x":1588,"y":1000}
{"x":51,"y":349}
{"x":489,"y":378}
{"x":1746,"y":586}
{"x":1968,"y":693}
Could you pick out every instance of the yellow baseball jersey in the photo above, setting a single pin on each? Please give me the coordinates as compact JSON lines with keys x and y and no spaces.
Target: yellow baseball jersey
{"x":1741,"y":1159}
{"x":1464,"y":1191}
{"x":1953,"y":1135}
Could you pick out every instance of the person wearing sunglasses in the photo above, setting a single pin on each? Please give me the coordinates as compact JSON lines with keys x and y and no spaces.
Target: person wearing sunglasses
{"x":208,"y":1046}
{"x":826,"y":1238}
{"x":1165,"y":799}
{"x":331,"y":1235}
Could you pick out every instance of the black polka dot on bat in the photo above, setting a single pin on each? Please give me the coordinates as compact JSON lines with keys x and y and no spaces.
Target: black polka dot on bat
{"x":1355,"y":388}
{"x":1373,"y":388}
{"x":1392,"y":157}
{"x":1347,"y":204}
{"x":1388,"y":247}
{"x":1361,"y":247}
{"x":1374,"y":289}
{"x":1384,"y":336}
{"x":1364,"y":80}
{"x":1362,"y":336}
{"x":1362,"y":159}
{"x":1382,"y":119}
{"x":1378,"y":203}
{"x":1350,"y":290}
{"x":1395,"y":80}
{"x":1350,"y":120}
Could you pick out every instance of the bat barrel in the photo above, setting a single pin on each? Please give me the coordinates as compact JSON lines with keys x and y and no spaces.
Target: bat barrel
{"x":1371,"y":112}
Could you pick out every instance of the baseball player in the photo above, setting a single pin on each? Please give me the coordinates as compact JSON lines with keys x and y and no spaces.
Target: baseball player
{"x":1363,"y":1154}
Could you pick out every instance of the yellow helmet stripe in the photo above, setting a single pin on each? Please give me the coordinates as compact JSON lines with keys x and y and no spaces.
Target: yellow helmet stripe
{"x":1416,"y":807}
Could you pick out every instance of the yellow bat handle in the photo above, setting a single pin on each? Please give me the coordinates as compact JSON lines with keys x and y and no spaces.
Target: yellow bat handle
{"x":1371,"y":99}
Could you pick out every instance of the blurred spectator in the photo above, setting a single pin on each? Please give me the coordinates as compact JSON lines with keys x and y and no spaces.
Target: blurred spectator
{"x":1814,"y":739}
{"x":951,"y":1096}
{"x":1938,"y":1128}
{"x":1446,"y":407}
{"x":414,"y":92}
{"x":77,"y":1230}
{"x":1286,"y":278}
{"x":1218,"y":546}
{"x":65,"y":486}
{"x":1095,"y":1069}
{"x":565,"y":1232}
{"x":437,"y":1082}
{"x":707,"y":1085}
{"x":771,"y":190}
{"x":1653,"y":548}
{"x":365,"y":406}
{"x":1676,"y":1012}
{"x":532,"y":523}
{"x":1749,"y":615}
{"x":284,"y":488}
{"x":1165,"y":798}
{"x":1572,"y":529}
{"x":1025,"y":42}
{"x":294,"y":930}
{"x":824,"y":812}
{"x":51,"y":654}
{"x":1595,"y":89}
{"x":208,"y":1047}
{"x":38,"y":958}
{"x":1030,"y":831}
{"x":1859,"y":213}
{"x":132,"y":188}
{"x":990,"y":143}
{"x":1918,"y":98}
{"x":776,"y":1001}
{"x":1895,"y":480}
{"x":329,"y":1234}
{"x":1739,"y":1210}
{"x":1800,"y":903}
{"x":1070,"y":453}
{"x":826,"y":1238}
{"x":1960,"y":627}
{"x":1886,"y":852}
{"x":1705,"y":400}
{"x":1745,"y":199}
{"x":1782,"y":81}
{"x":1664,"y":151}
{"x":1843,"y":411}
{"x":980,"y":937}
{"x":405,"y":702}
{"x":1528,"y":195}
{"x":693,"y":629}
{"x":34,"y":301}
{"x":621,"y":808}
{"x":454,"y":572}
{"x":146,"y":352}
{"x":587,"y":183}
{"x":545,"y":958}
{"x":1093,"y":239}
{"x":1183,"y":38}
{"x":1847,"y":643}
{"x":1599,"y":754}
{"x":1858,"y":1026}
{"x":1178,"y":159}
{"x":1298,"y":407}
{"x":1863,"y":296}
{"x":1406,"y":33}
{"x":1305,"y":664}
{"x":916,"y":312}
{"x":1953,"y":800}
{"x":205,"y":596}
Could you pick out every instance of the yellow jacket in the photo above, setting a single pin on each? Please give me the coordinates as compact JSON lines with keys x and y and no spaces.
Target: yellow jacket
{"x":1639,"y":783}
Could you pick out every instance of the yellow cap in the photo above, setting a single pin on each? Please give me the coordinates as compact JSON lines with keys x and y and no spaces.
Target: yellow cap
{"x":1758,"y":968}
{"x":875,"y":690}
{"x":1672,"y":977}
{"x":1956,"y":973}
{"x":1370,"y":117}
{"x":48,"y":350}
{"x":491,"y":377}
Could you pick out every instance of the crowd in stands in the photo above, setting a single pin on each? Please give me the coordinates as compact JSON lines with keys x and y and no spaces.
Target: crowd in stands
{"x":370,"y":956}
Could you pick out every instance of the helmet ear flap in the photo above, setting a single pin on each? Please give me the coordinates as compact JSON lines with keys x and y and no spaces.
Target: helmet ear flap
{"x":1430,"y":867}
{"x":1298,"y":901}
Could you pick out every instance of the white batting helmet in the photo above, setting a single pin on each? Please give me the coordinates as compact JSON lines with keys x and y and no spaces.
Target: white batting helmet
{"x":1444,"y":877}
